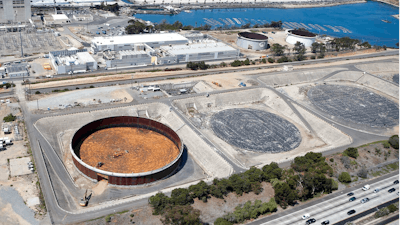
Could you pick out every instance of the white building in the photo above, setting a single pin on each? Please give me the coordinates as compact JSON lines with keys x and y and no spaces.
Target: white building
{"x":15,"y":11}
{"x":75,"y":61}
{"x":56,"y":19}
{"x":17,"y":70}
{"x":305,"y":37}
{"x":2,"y":72}
{"x":70,"y":2}
{"x":83,"y":17}
{"x":127,"y":42}
{"x":201,"y":51}
{"x":141,"y":55}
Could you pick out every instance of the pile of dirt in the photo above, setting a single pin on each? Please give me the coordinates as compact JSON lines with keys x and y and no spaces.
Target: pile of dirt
{"x":128,"y":150}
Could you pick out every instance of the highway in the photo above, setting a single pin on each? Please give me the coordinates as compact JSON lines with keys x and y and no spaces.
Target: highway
{"x":334,"y":207}
{"x":58,"y":187}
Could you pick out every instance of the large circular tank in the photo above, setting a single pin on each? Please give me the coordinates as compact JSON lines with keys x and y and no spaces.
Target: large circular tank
{"x":302,"y":36}
{"x":126,"y":150}
{"x":252,"y":41}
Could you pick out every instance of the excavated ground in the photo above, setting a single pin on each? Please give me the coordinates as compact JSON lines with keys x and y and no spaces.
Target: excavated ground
{"x":128,"y":150}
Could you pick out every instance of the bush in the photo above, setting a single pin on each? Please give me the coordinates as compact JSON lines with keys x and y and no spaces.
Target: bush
{"x":386,"y":144}
{"x":382,"y":212}
{"x":222,"y":221}
{"x":335,"y":185}
{"x":264,"y":60}
{"x":392,"y":208}
{"x":351,"y":152}
{"x":346,"y":162}
{"x":284,"y":59}
{"x":312,"y":57}
{"x":331,"y":159}
{"x":37,"y":92}
{"x":394,"y":141}
{"x":344,"y":177}
{"x":9,"y":118}
{"x":363,"y":173}
{"x":91,"y":86}
{"x":271,"y":60}
{"x":181,"y":214}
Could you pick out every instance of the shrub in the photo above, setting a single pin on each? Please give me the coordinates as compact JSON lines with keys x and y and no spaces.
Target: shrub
{"x":394,"y":141}
{"x":181,"y":214}
{"x":312,"y":57}
{"x":222,"y":221}
{"x":351,"y":152}
{"x":264,"y":61}
{"x":392,"y":208}
{"x":9,"y":118}
{"x":382,"y":212}
{"x":335,"y":185}
{"x":363,"y":173}
{"x":344,"y":177}
{"x":37,"y":92}
{"x":346,"y":161}
{"x":284,"y":59}
{"x":91,"y":86}
{"x":271,"y":60}
{"x":331,"y":159}
{"x":386,"y":144}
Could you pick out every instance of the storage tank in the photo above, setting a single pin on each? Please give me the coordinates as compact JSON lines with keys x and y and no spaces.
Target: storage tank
{"x":252,"y":41}
{"x":302,"y":36}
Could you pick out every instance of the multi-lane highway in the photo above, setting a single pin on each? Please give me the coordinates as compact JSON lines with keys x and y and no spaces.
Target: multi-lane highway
{"x":335,"y":208}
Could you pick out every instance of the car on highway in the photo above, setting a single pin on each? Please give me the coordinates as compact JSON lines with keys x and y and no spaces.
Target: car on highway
{"x":325,"y":222}
{"x":364,"y":200}
{"x":366,"y":187}
{"x":305,"y":216}
{"x":352,"y":199}
{"x":351,"y":212}
{"x":391,"y":190}
{"x":310,"y":221}
{"x":376,"y":190}
{"x":350,"y":194}
{"x":396,"y":182}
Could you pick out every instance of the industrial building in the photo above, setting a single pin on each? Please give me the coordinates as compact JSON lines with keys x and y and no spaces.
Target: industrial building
{"x":83,"y":17}
{"x":202,"y":51}
{"x":127,"y":42}
{"x":15,"y":11}
{"x":252,"y":41}
{"x":74,"y":61}
{"x":17,"y":70}
{"x":56,"y":19}
{"x":141,"y":55}
{"x":302,"y":36}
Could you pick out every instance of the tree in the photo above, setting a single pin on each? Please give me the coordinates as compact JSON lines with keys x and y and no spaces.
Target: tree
{"x":271,"y":60}
{"x":200,"y":191}
{"x":9,"y":118}
{"x":181,"y":196}
{"x":363,"y":172}
{"x":284,"y":59}
{"x":181,"y":214}
{"x":135,"y":28}
{"x":284,"y":195}
{"x":272,"y":171}
{"x":394,"y":141}
{"x":222,"y":221}
{"x":315,"y":47}
{"x":351,"y":152}
{"x":322,"y":49}
{"x":344,"y":177}
{"x":300,"y":49}
{"x":159,"y":202}
{"x":278,"y":49}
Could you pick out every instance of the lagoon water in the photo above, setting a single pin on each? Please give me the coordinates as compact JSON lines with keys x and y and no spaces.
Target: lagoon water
{"x":364,"y":20}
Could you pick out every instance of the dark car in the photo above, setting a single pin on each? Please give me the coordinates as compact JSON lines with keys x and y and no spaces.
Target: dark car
{"x":396,"y":182}
{"x":352,"y":199}
{"x":391,"y":190}
{"x":310,"y":221}
{"x":325,"y":222}
{"x":351,"y":212}
{"x":350,"y":194}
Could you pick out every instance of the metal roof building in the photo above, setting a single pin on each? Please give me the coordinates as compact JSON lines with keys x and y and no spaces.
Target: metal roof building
{"x":127,"y":42}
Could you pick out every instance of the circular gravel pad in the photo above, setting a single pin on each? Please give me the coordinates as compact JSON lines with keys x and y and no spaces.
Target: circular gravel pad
{"x":255,"y":130}
{"x":355,"y":105}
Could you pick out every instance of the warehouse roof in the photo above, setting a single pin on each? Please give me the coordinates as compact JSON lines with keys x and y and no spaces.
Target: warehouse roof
{"x":85,"y":57}
{"x":139,"y":38}
{"x":60,"y":17}
{"x":198,"y":48}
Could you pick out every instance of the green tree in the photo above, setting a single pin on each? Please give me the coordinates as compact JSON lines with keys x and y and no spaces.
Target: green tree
{"x":271,"y":60}
{"x":315,"y":47}
{"x":351,"y":152}
{"x":200,"y":191}
{"x":344,"y":177}
{"x":300,"y":49}
{"x":278,"y":49}
{"x":272,"y":171}
{"x":159,"y":202}
{"x":284,"y":195}
{"x":9,"y":118}
{"x":322,"y":50}
{"x":136,"y":27}
{"x":394,"y":141}
{"x":181,"y":196}
{"x":222,"y":221}
{"x":181,"y":214}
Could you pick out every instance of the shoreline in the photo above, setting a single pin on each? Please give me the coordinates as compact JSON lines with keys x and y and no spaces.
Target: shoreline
{"x":387,"y":2}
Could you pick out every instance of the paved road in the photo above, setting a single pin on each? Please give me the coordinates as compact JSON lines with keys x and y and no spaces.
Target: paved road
{"x":334,"y":207}
{"x":49,"y":163}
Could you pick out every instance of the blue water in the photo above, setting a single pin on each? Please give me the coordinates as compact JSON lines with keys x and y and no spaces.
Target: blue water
{"x":364,"y":20}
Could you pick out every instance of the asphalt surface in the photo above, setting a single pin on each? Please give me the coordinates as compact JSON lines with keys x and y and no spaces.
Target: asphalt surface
{"x":54,"y":173}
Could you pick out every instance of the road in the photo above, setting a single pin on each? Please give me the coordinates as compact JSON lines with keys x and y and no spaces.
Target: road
{"x":55,"y":179}
{"x":334,"y":207}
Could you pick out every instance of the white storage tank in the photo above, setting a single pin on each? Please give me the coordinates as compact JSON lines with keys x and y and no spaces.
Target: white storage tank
{"x":302,"y":36}
{"x":252,"y":41}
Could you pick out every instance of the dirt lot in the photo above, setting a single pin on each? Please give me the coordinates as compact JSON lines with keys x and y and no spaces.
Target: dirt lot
{"x":128,"y":150}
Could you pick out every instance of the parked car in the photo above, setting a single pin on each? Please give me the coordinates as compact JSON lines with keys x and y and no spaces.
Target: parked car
{"x":310,"y":221}
{"x":305,"y":216}
{"x":396,"y":182}
{"x":352,"y":199}
{"x":325,"y":222}
{"x":351,"y":212}
{"x":391,"y":190}
{"x":364,"y":200}
{"x":350,"y":194}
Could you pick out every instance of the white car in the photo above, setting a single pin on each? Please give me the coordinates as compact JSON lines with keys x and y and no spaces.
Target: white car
{"x":366,"y":187}
{"x":305,"y":216}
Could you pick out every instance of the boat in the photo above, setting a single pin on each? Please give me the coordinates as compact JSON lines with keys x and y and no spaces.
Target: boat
{"x":386,"y":21}
{"x":187,"y":11}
